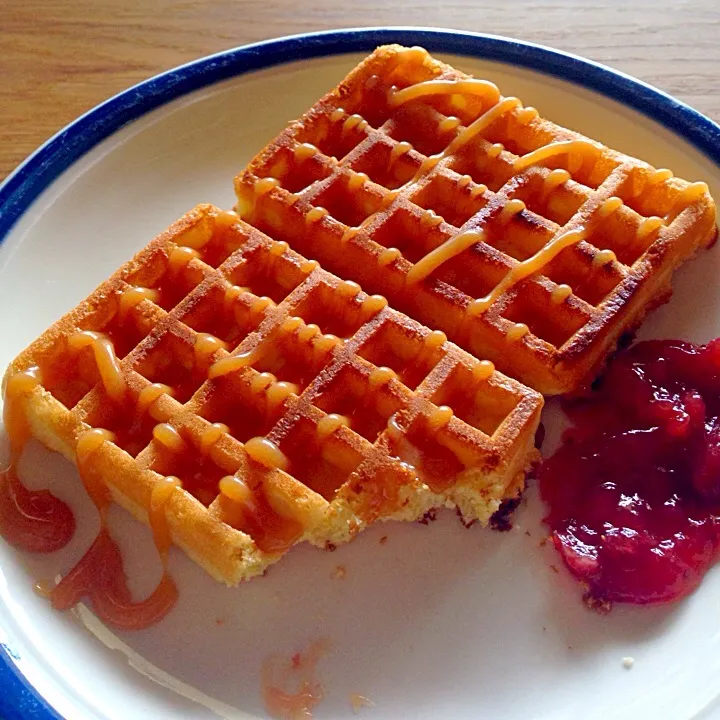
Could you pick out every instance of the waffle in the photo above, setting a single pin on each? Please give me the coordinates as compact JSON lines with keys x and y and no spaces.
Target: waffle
{"x":291,"y":405}
{"x":525,"y":242}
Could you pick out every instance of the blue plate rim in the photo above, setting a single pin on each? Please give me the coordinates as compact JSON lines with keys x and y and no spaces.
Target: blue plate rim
{"x":20,"y":699}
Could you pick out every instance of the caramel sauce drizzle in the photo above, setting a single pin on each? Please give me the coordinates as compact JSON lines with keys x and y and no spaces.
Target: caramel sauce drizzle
{"x":196,"y":236}
{"x":292,"y":323}
{"x":416,"y":456}
{"x":35,"y":521}
{"x":329,"y":424}
{"x":441,"y":254}
{"x":434,"y":340}
{"x":399,"y":149}
{"x":482,"y":88}
{"x":517,"y":331}
{"x":448,"y":124}
{"x":315,"y":214}
{"x":108,"y":366}
{"x":261,"y":305}
{"x":648,"y":226}
{"x":609,"y":206}
{"x":159,"y":498}
{"x":226,"y":219}
{"x":388,"y":256}
{"x":90,"y":441}
{"x":527,"y":115}
{"x":482,"y":123}
{"x":132,"y":296}
{"x":354,"y":121}
{"x":430,"y":219}
{"x":478,"y":190}
{"x":577,"y":150}
{"x":409,"y":454}
{"x":459,"y":102}
{"x":266,"y":453}
{"x":148,"y":395}
{"x":237,"y":490}
{"x":526,"y":268}
{"x":357,"y":180}
{"x":348,"y":289}
{"x":309,"y":265}
{"x":228,"y":365}
{"x":206,"y":345}
{"x":560,"y":293}
{"x":304,"y":151}
{"x":415,"y":54}
{"x":464,"y":181}
{"x":268,"y":516}
{"x":264,"y":185}
{"x":464,"y":137}
{"x":232,"y":293}
{"x":324,"y":344}
{"x":261,"y":382}
{"x":483,"y":370}
{"x":573,"y":148}
{"x":659,"y":176}
{"x":287,"y":508}
{"x":439,"y":417}
{"x":87,"y":444}
{"x":510,"y":210}
{"x":693,"y":192}
{"x":169,"y":437}
{"x":373,"y":304}
{"x":603,"y":257}
{"x":381,"y":376}
{"x":19,"y":384}
{"x":308,"y":331}
{"x":279,"y":248}
{"x":211,"y":435}
{"x":278,"y":392}
{"x":349,"y":234}
{"x":180,"y":257}
{"x":99,"y":575}
{"x":495,"y":150}
{"x":554,"y":179}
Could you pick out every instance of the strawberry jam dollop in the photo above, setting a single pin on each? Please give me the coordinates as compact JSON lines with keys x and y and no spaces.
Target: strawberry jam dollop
{"x":634,"y":491}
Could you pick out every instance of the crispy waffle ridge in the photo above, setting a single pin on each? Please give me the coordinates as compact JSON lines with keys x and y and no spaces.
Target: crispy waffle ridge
{"x":564,"y":244}
{"x":291,"y":405}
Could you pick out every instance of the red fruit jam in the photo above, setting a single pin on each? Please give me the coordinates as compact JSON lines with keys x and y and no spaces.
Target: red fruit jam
{"x":634,"y":491}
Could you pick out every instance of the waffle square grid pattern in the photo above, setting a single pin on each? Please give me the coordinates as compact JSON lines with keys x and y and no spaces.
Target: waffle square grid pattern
{"x":289,"y":404}
{"x":239,"y":387}
{"x":525,"y":242}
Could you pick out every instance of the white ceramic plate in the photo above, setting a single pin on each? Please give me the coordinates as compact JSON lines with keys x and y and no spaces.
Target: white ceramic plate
{"x":438,"y":622}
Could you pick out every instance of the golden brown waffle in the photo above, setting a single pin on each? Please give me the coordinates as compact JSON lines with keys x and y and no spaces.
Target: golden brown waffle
{"x":239,"y":357}
{"x":383,"y":171}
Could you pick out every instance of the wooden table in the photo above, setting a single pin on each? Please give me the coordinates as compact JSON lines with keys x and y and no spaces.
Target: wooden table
{"x":58,"y":58}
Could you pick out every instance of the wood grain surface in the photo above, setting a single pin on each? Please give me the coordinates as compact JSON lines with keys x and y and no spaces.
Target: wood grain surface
{"x":58,"y":58}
